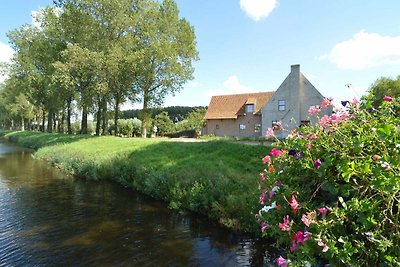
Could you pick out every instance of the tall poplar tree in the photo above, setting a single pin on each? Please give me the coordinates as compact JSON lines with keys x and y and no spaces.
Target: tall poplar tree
{"x":167,"y":46}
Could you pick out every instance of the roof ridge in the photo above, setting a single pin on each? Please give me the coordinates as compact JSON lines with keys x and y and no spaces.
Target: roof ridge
{"x":267,"y":92}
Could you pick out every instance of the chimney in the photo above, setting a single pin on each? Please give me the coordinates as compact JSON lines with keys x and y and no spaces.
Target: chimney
{"x":295,"y":69}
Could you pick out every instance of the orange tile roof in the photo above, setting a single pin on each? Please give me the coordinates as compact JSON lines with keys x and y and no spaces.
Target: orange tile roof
{"x":230,"y":106}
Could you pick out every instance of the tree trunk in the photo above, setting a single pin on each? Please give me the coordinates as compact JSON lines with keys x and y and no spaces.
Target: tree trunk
{"x":105,"y":121}
{"x":50,"y":122}
{"x":43,"y":122}
{"x":145,"y":113}
{"x":98,"y":119}
{"x":61,"y":123}
{"x":55,"y":119}
{"x":36,"y":126}
{"x":22,"y":124}
{"x":69,"y":128}
{"x":116,"y":111}
{"x":84,"y":129}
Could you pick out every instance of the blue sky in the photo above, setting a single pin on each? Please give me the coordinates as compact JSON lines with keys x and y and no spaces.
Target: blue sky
{"x":249,"y":45}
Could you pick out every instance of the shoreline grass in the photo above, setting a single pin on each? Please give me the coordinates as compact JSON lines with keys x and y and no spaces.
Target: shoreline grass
{"x":215,"y":178}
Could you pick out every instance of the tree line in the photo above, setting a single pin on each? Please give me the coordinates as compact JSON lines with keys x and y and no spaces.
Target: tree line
{"x":90,"y":57}
{"x":175,"y":113}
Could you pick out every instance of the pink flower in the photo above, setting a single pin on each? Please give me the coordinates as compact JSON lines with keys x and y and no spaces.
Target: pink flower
{"x":386,"y":166}
{"x":270,"y":133}
{"x":313,"y":110}
{"x":355,"y":101}
{"x":310,"y":218}
{"x":305,"y":220}
{"x":323,"y":211}
{"x":271,"y":194}
{"x":327,"y":102}
{"x":313,"y":136}
{"x":293,"y":203}
{"x":387,"y":98}
{"x":339,"y":117}
{"x":275,"y":152}
{"x":293,"y":246}
{"x":262,"y":177}
{"x":262,"y":198}
{"x":266,"y":159}
{"x":324,"y":120}
{"x":285,"y":226}
{"x":264,"y":226}
{"x":282,"y":262}
{"x":301,"y":237}
{"x":323,"y":245}
{"x":317,"y":163}
{"x":309,"y":145}
{"x":293,"y":133}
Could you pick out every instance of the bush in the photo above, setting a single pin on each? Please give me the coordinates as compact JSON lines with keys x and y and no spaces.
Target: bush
{"x":126,"y":127}
{"x":185,"y":133}
{"x":163,"y":123}
{"x":331,"y":192}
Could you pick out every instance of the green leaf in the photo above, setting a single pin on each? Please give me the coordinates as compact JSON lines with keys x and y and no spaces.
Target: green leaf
{"x":343,"y":203}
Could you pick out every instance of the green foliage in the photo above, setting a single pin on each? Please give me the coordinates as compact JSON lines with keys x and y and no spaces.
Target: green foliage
{"x":76,"y":127}
{"x":347,"y":164}
{"x":212,"y":178}
{"x":384,"y":86}
{"x":176,"y":113}
{"x":163,"y":123}
{"x":167,"y":48}
{"x":98,"y":54}
{"x":195,"y":119}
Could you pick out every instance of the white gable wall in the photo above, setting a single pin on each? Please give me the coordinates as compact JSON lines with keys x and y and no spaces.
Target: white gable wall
{"x":299,"y":94}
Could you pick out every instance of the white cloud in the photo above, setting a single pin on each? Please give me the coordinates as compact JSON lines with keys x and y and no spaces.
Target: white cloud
{"x":365,"y":50}
{"x":6,"y":53}
{"x":230,"y":86}
{"x":257,"y":9}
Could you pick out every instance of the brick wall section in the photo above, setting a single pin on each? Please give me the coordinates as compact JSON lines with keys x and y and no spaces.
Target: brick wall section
{"x":230,"y":127}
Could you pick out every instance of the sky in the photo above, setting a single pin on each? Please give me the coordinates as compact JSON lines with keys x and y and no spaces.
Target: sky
{"x":249,"y":45}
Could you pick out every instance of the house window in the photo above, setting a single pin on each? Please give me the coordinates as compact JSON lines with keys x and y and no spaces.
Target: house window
{"x":249,"y":108}
{"x":242,"y":127}
{"x":257,"y":128}
{"x":217,"y":126}
{"x":281,"y":105}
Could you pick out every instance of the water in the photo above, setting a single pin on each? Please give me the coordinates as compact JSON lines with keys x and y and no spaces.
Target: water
{"x":50,"y":219}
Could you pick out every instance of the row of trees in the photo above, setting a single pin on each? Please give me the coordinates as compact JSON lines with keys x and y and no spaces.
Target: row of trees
{"x":94,"y":55}
{"x":176,"y":113}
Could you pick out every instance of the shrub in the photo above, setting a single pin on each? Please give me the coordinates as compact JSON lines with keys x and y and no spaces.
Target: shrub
{"x":164,"y":123}
{"x":331,"y":191}
{"x":185,"y":133}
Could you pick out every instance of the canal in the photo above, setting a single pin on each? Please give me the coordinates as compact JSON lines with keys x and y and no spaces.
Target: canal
{"x":50,"y":219}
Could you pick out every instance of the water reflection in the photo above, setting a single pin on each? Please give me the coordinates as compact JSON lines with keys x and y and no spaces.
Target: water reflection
{"x":48,"y":218}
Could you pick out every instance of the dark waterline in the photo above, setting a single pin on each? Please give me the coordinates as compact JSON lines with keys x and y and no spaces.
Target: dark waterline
{"x":50,"y":219}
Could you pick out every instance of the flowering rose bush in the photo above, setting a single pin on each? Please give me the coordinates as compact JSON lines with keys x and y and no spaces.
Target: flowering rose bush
{"x":330,"y":192}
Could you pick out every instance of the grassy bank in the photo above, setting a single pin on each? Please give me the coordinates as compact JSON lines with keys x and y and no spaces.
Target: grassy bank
{"x":216,"y":178}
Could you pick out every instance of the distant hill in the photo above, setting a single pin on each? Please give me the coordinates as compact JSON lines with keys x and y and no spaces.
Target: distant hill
{"x":176,"y":113}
